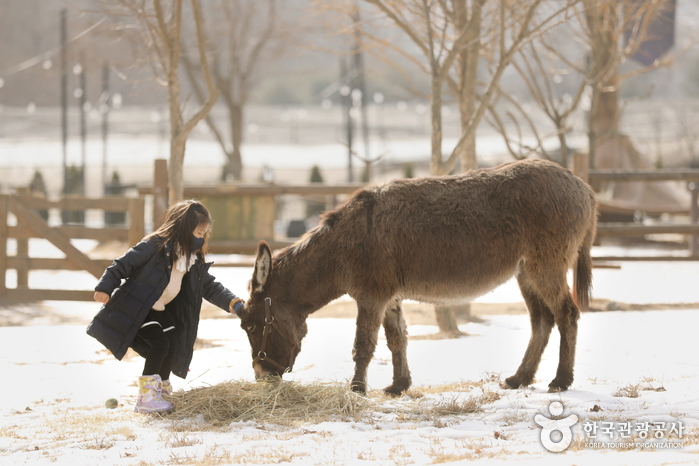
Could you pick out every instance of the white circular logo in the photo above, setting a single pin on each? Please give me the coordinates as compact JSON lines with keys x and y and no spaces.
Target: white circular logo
{"x":560,"y":427}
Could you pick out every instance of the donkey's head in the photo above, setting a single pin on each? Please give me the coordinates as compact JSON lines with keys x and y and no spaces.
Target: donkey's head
{"x":275,"y":331}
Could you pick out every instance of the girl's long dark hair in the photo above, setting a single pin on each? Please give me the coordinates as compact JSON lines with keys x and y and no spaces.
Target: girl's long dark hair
{"x":180,"y":222}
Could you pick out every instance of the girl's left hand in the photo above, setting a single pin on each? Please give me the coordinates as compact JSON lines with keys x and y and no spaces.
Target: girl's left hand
{"x":236,"y":306}
{"x":101,"y":297}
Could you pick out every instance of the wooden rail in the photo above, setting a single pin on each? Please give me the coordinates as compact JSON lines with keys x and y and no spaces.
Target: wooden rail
{"x":691,"y":176}
{"x":644,"y":175}
{"x":225,"y":190}
{"x":634,"y":229}
{"x":31,"y":225}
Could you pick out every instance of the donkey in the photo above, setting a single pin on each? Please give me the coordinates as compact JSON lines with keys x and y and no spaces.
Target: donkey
{"x":442,"y":240}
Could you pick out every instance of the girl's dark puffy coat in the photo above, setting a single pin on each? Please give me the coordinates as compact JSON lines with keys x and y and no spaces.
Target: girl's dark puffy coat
{"x":146,"y":268}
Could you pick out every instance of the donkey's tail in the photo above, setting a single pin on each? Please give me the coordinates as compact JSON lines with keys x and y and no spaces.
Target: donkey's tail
{"x":582,"y":282}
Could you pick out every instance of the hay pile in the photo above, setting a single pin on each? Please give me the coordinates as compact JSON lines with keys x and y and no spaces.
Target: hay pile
{"x":268,"y":401}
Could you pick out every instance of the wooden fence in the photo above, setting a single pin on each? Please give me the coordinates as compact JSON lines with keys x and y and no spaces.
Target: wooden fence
{"x":31,"y":225}
{"x":255,"y":208}
{"x":608,"y":229}
{"x":244,"y":213}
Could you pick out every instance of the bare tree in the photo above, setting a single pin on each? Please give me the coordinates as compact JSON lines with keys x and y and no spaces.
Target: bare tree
{"x":251,"y":33}
{"x":606,"y":23}
{"x":610,"y":33}
{"x":540,"y":69}
{"x":453,"y":37}
{"x":159,"y":26}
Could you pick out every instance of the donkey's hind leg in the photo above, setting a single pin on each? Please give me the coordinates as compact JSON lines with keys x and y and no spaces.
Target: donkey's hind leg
{"x":369,"y":317}
{"x":397,"y":338}
{"x":553,"y":288}
{"x":541,"y":322}
{"x":566,"y":315}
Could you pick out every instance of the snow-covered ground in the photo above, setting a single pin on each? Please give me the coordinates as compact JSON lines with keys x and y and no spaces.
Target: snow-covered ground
{"x":55,"y":380}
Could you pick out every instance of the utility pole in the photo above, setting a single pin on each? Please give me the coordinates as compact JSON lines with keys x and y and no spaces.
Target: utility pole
{"x":360,"y":83}
{"x":346,"y":96}
{"x":105,"y":101}
{"x":64,"y":98}
{"x":83,"y":125}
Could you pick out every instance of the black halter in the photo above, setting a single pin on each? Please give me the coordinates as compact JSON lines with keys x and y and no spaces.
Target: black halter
{"x":262,"y":354}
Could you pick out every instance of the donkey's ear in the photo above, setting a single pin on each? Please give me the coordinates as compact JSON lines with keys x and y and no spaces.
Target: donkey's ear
{"x":263,"y":265}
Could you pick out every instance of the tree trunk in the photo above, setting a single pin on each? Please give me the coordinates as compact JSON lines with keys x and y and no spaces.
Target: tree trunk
{"x":604,"y":115}
{"x":467,"y":72}
{"x":176,"y":169}
{"x":177,"y":146}
{"x":468,"y":80}
{"x":467,"y":105}
{"x":447,"y":322}
{"x":177,"y":141}
{"x":180,"y":129}
{"x":562,"y":141}
{"x":436,"y":115}
{"x":235,"y":160}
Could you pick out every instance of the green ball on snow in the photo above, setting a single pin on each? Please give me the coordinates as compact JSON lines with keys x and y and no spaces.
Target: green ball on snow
{"x":111,"y":403}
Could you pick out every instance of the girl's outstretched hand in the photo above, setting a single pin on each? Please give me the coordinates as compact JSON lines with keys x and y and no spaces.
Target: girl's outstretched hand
{"x":101,"y":297}
{"x":236,"y":306}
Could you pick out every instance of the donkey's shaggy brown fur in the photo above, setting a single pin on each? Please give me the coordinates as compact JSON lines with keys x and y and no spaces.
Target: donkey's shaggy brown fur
{"x":440,"y":240}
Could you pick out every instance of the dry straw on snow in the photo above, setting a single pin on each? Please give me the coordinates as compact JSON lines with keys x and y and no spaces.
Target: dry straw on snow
{"x":274,"y":400}
{"x":289,"y":403}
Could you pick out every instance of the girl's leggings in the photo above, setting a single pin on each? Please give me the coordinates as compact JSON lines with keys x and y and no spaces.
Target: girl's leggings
{"x":158,"y":332}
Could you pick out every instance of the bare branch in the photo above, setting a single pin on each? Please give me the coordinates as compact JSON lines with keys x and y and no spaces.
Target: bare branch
{"x":204,"y":65}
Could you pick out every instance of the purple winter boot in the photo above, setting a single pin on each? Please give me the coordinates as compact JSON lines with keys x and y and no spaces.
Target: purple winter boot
{"x":167,"y":388}
{"x":149,"y":399}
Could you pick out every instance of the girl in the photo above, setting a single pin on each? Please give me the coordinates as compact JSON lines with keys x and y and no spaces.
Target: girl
{"x":156,"y":310}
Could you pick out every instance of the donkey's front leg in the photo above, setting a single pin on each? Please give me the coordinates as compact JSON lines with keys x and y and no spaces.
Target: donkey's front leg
{"x":369,"y":317}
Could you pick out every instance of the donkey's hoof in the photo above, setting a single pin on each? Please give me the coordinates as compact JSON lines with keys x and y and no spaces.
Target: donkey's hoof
{"x":393,"y":390}
{"x":399,"y":385}
{"x":358,"y":387}
{"x":556,"y":386}
{"x":512,"y":383}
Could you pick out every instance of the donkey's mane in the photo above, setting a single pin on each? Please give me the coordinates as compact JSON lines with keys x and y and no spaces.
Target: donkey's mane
{"x":327,"y":221}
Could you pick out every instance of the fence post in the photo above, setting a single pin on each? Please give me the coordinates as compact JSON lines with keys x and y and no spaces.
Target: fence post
{"x":3,"y":245}
{"x":581,"y":166}
{"x":22,"y":255}
{"x":22,"y":263}
{"x":160,"y":194}
{"x":136,"y":220}
{"x":694,"y":216}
